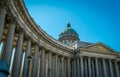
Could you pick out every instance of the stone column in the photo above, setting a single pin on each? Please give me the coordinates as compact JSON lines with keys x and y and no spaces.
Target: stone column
{"x":62,"y":60}
{"x":3,"y":12}
{"x":96,"y":66}
{"x":100,"y":68}
{"x":69,"y":73}
{"x":104,"y":68}
{"x":9,"y":43}
{"x":27,"y":53}
{"x":35,"y":61}
{"x":60,"y":70}
{"x":86,"y":69}
{"x":81,"y":65}
{"x":89,"y":66}
{"x":52,"y":63}
{"x":111,"y":69}
{"x":53,"y":66}
{"x":93,"y":68}
{"x":75,"y":67}
{"x":56,"y":65}
{"x":18,"y":55}
{"x":78,"y":68}
{"x":49,"y":65}
{"x":43,"y":65}
{"x":65,"y":68}
{"x":116,"y":69}
{"x":72,"y":67}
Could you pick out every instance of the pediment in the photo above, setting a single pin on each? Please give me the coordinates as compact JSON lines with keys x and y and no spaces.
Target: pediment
{"x":99,"y":47}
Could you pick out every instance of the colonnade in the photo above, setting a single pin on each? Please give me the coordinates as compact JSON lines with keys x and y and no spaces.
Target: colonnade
{"x":17,"y":39}
{"x":41,"y":56}
{"x":96,"y":67}
{"x":44,"y":62}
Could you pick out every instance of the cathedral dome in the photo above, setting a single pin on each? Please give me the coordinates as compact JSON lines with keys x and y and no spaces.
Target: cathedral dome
{"x":68,"y":35}
{"x":69,"y":30}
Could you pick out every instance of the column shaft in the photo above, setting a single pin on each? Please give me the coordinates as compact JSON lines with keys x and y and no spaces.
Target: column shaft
{"x":104,"y":68}
{"x":35,"y":61}
{"x":72,"y":68}
{"x":81,"y":64}
{"x":69,"y":75}
{"x":93,"y":68}
{"x":96,"y":66}
{"x":42,"y":65}
{"x":52,"y":66}
{"x":3,"y":12}
{"x":9,"y":44}
{"x":89,"y":66}
{"x":75,"y":68}
{"x":49,"y":65}
{"x":62,"y":59}
{"x":17,"y":57}
{"x":56,"y":65}
{"x":116,"y":69}
{"x":100,"y":68}
{"x":86,"y":69}
{"x":78,"y":68}
{"x":111,"y":69}
{"x":27,"y":53}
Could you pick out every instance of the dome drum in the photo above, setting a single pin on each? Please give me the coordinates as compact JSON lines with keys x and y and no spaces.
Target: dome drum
{"x":69,"y":35}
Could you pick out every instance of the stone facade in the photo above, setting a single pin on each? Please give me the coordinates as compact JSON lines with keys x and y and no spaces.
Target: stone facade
{"x":29,"y":51}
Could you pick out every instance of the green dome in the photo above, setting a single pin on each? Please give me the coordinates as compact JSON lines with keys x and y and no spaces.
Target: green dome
{"x":69,"y":29}
{"x":68,"y":35}
{"x":68,"y":32}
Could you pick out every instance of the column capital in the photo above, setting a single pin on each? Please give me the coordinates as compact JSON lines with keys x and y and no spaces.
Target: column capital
{"x":62,"y":57}
{"x":68,"y":58}
{"x":110,"y":59}
{"x":103,"y":59}
{"x":96,"y":58}
{"x":21,"y":31}
{"x":89,"y":57}
{"x":4,"y":4}
{"x":13,"y":20}
{"x":27,"y":37}
{"x":114,"y":60}
{"x":49,"y":52}
{"x":43,"y":49}
{"x":56,"y":55}
{"x":81,"y":56}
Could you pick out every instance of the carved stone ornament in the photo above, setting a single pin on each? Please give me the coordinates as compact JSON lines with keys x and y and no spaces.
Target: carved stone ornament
{"x":4,"y":4}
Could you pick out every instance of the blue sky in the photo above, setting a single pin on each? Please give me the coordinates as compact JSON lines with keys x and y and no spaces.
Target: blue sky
{"x":94,"y":20}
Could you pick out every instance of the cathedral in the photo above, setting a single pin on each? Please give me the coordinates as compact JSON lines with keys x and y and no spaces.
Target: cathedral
{"x":26,"y":50}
